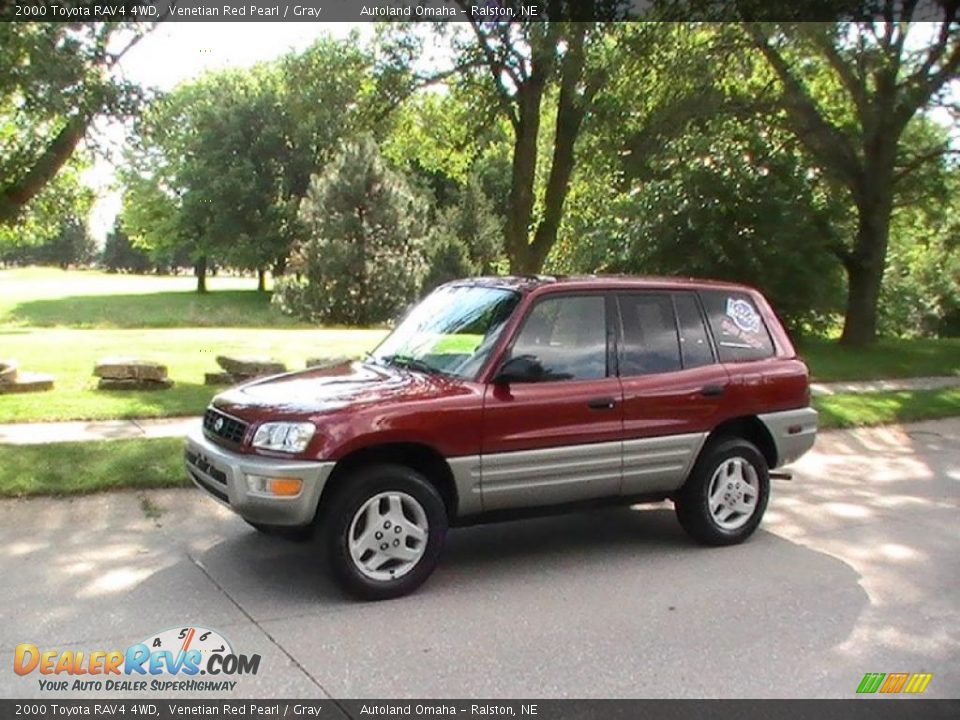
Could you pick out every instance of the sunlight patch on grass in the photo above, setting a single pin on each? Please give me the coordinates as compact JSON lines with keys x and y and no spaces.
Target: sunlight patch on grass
{"x":854,"y":410}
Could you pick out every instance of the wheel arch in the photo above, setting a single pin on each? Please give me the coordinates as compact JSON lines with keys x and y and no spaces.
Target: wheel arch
{"x":418,"y":456}
{"x":752,"y":429}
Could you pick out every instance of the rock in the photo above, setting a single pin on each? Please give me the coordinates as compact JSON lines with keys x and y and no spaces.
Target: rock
{"x":8,"y":371}
{"x":134,"y":384}
{"x":219,"y":378}
{"x":325,"y":362}
{"x":130,"y":369}
{"x":27,"y":383}
{"x":246,"y":368}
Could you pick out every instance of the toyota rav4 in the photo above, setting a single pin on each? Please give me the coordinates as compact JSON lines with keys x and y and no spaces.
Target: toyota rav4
{"x":497,"y":396}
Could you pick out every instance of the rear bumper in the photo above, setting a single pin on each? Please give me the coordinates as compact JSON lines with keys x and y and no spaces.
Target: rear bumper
{"x":222,"y":475}
{"x":793,"y":432}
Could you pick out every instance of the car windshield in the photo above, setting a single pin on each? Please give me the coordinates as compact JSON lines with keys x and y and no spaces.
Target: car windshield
{"x":452,"y":331}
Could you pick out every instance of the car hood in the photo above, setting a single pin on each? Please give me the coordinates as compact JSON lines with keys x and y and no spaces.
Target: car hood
{"x":318,"y":391}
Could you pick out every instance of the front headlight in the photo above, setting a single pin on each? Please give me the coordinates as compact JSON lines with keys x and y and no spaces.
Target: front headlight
{"x":284,"y":436}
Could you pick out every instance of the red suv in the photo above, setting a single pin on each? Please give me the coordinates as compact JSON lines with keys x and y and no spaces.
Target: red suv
{"x":499,"y":395}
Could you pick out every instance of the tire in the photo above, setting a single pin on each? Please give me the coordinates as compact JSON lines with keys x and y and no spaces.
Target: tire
{"x":287,"y":532}
{"x":747,"y":477}
{"x":372,"y":555}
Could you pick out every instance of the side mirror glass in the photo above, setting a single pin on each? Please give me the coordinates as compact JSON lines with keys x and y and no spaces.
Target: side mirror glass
{"x":523,"y":368}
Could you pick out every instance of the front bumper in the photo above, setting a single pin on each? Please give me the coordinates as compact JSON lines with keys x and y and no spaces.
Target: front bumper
{"x":222,"y":475}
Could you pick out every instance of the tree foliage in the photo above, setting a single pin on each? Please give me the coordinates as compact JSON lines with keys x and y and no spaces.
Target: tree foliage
{"x":849,"y":91}
{"x":362,"y":261}
{"x":55,"y":78}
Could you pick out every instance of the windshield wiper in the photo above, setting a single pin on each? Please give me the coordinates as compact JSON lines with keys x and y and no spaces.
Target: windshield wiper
{"x":411,"y":363}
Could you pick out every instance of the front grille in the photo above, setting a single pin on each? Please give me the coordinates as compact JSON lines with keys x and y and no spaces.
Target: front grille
{"x":223,"y":426}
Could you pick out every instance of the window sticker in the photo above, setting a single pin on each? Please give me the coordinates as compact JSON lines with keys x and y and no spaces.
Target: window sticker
{"x":743,"y":315}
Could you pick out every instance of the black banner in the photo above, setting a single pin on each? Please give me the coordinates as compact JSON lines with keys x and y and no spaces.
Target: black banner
{"x":458,"y":10}
{"x":867,"y":709}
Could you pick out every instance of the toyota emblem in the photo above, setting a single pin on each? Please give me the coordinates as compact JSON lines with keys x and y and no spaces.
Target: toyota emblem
{"x":218,"y":425}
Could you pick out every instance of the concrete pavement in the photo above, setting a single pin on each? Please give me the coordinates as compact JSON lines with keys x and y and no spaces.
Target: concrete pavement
{"x":855,"y":569}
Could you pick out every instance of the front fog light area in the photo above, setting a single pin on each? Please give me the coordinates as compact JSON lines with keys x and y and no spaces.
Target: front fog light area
{"x":278,"y":486}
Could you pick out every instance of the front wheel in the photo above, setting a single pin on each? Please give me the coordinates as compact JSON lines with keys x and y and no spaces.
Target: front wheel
{"x":726,"y":494}
{"x":296,"y":533}
{"x":384,"y":531}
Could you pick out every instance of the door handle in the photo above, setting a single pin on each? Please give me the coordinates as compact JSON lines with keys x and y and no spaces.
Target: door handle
{"x":604,"y":403}
{"x":711,"y":390}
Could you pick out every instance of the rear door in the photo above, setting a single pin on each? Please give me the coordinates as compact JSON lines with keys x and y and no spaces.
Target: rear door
{"x":673,"y":387}
{"x":557,"y":440}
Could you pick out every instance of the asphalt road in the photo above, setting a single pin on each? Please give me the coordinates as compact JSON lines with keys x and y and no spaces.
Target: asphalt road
{"x":856,"y":569}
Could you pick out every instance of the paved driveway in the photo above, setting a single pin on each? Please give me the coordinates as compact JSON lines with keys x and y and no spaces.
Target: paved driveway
{"x":855,"y":570}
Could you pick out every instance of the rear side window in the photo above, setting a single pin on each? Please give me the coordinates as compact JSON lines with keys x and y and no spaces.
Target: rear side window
{"x":694,"y":341}
{"x":737,"y":326}
{"x":650,"y":343}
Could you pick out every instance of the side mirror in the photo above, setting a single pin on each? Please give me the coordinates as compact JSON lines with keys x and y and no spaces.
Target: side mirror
{"x":523,"y":368}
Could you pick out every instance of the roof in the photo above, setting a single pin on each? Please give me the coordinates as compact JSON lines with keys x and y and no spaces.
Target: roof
{"x":528,"y":283}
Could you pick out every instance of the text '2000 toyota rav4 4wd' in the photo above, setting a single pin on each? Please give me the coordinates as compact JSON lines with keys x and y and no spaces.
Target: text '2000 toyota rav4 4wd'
{"x":499,"y":395}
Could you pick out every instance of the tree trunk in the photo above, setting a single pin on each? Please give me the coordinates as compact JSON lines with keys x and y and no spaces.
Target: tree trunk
{"x":261,"y":280}
{"x":200,"y":270}
{"x":13,"y":197}
{"x":865,"y":265}
{"x":523,"y":175}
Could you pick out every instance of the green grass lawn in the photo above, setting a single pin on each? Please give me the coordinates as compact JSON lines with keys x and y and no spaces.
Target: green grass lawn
{"x":188,"y":353}
{"x":76,"y":468}
{"x":887,"y":359}
{"x":881,"y":408}
{"x":49,"y":297}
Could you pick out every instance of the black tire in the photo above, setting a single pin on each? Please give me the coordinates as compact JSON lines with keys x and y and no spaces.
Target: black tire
{"x":692,"y":502}
{"x":338,"y":515}
{"x":287,"y":532}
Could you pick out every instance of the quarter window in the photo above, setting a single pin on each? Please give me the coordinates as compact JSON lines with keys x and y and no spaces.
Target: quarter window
{"x":650,"y":343}
{"x":737,"y":326}
{"x":567,"y":336}
{"x":694,"y":341}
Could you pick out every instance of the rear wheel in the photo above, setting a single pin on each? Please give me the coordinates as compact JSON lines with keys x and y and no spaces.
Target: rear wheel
{"x":724,"y":499}
{"x":384,"y":530}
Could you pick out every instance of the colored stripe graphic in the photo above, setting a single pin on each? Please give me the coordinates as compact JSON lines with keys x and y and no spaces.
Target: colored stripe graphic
{"x":894,"y":682}
{"x":918,"y":682}
{"x":870,"y":683}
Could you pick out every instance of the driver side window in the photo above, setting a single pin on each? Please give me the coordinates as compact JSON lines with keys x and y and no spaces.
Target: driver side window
{"x":566,"y":337}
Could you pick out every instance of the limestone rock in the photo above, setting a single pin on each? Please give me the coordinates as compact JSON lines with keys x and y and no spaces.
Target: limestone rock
{"x":134,"y":384}
{"x":325,"y":362}
{"x":8,"y":371}
{"x":245,"y":368}
{"x":218,"y":378}
{"x":130,"y":369}
{"x":27,"y":383}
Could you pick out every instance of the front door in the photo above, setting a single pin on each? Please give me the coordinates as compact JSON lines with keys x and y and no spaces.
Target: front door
{"x":557,"y":439}
{"x":673,"y":388}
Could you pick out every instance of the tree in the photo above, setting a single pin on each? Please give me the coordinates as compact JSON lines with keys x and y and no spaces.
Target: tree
{"x":55,"y":78}
{"x":725,"y":200}
{"x":523,"y":64}
{"x":221,"y":163}
{"x":884,"y":74}
{"x":467,"y":238}
{"x":120,"y":255}
{"x":362,"y":262}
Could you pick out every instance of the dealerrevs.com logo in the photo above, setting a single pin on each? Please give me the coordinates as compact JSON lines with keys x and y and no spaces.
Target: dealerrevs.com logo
{"x":169,"y":661}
